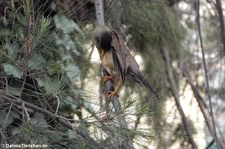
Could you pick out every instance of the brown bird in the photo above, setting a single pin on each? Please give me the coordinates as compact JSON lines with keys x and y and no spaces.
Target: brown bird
{"x":117,"y":59}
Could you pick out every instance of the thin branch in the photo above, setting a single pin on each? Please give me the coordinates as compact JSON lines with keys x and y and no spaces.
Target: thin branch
{"x":99,"y":12}
{"x":202,"y":105}
{"x":221,"y":20}
{"x":58,"y":102}
{"x":176,"y":97}
{"x":205,"y":68}
{"x":137,"y":122}
{"x":118,"y":110}
{"x":210,"y":144}
{"x":20,"y":102}
{"x":7,"y":116}
{"x":60,"y":119}
{"x":26,"y":116}
{"x":115,"y":101}
{"x":109,"y":84}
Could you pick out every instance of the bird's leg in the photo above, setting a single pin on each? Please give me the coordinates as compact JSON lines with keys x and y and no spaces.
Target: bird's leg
{"x":106,"y":78}
{"x":117,"y":89}
{"x":106,"y":119}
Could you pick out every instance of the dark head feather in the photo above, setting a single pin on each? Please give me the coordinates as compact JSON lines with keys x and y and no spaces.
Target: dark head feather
{"x":102,"y":37}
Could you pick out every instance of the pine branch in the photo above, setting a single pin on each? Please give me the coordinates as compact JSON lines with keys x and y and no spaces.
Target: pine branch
{"x":99,"y":12}
{"x":60,"y":119}
{"x":109,"y":84}
{"x":176,"y":97}
{"x":118,"y":111}
{"x":115,"y":101}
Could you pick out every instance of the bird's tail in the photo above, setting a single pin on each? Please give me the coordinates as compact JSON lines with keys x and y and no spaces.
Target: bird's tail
{"x":143,"y":81}
{"x":139,"y":78}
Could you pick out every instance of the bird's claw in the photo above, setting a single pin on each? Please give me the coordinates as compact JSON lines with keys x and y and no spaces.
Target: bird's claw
{"x":106,"y":119}
{"x":106,"y":78}
{"x":112,"y":94}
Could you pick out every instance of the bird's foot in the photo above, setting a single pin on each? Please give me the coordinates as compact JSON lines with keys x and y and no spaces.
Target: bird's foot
{"x":112,"y":94}
{"x":106,"y":78}
{"x":106,"y":119}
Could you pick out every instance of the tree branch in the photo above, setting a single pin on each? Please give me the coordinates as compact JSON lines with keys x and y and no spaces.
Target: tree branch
{"x":62,"y":120}
{"x":205,"y":69}
{"x":109,"y":84}
{"x":118,"y":110}
{"x":221,"y":20}
{"x":202,"y":105}
{"x":176,"y":97}
{"x":99,"y":12}
{"x":115,"y":101}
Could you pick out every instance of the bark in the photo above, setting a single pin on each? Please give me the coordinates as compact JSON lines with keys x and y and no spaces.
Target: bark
{"x":99,"y":12}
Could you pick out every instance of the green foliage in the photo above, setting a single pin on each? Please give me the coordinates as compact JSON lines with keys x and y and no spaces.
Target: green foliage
{"x":12,"y":70}
{"x":43,"y":61}
{"x":37,"y":65}
{"x":149,"y":25}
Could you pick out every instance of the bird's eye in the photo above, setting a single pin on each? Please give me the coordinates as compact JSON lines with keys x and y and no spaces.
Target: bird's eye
{"x":97,"y":40}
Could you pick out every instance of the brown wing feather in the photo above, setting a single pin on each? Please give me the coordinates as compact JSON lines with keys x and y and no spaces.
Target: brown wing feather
{"x":117,"y":65}
{"x":118,"y":54}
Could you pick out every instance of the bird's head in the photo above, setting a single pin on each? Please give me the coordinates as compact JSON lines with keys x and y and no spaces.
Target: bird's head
{"x":102,"y":37}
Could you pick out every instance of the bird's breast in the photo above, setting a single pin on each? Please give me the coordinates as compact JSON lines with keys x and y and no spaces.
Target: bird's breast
{"x":107,"y":62}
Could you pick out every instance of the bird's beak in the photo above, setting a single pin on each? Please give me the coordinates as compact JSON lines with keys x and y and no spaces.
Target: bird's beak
{"x":101,"y":52}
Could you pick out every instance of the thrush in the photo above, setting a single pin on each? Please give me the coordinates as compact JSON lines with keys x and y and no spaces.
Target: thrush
{"x":117,"y":59}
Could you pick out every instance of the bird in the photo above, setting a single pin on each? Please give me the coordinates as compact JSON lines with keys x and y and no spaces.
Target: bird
{"x":117,"y":59}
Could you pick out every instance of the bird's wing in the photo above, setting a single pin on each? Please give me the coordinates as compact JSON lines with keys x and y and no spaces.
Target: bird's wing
{"x":119,"y":57}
